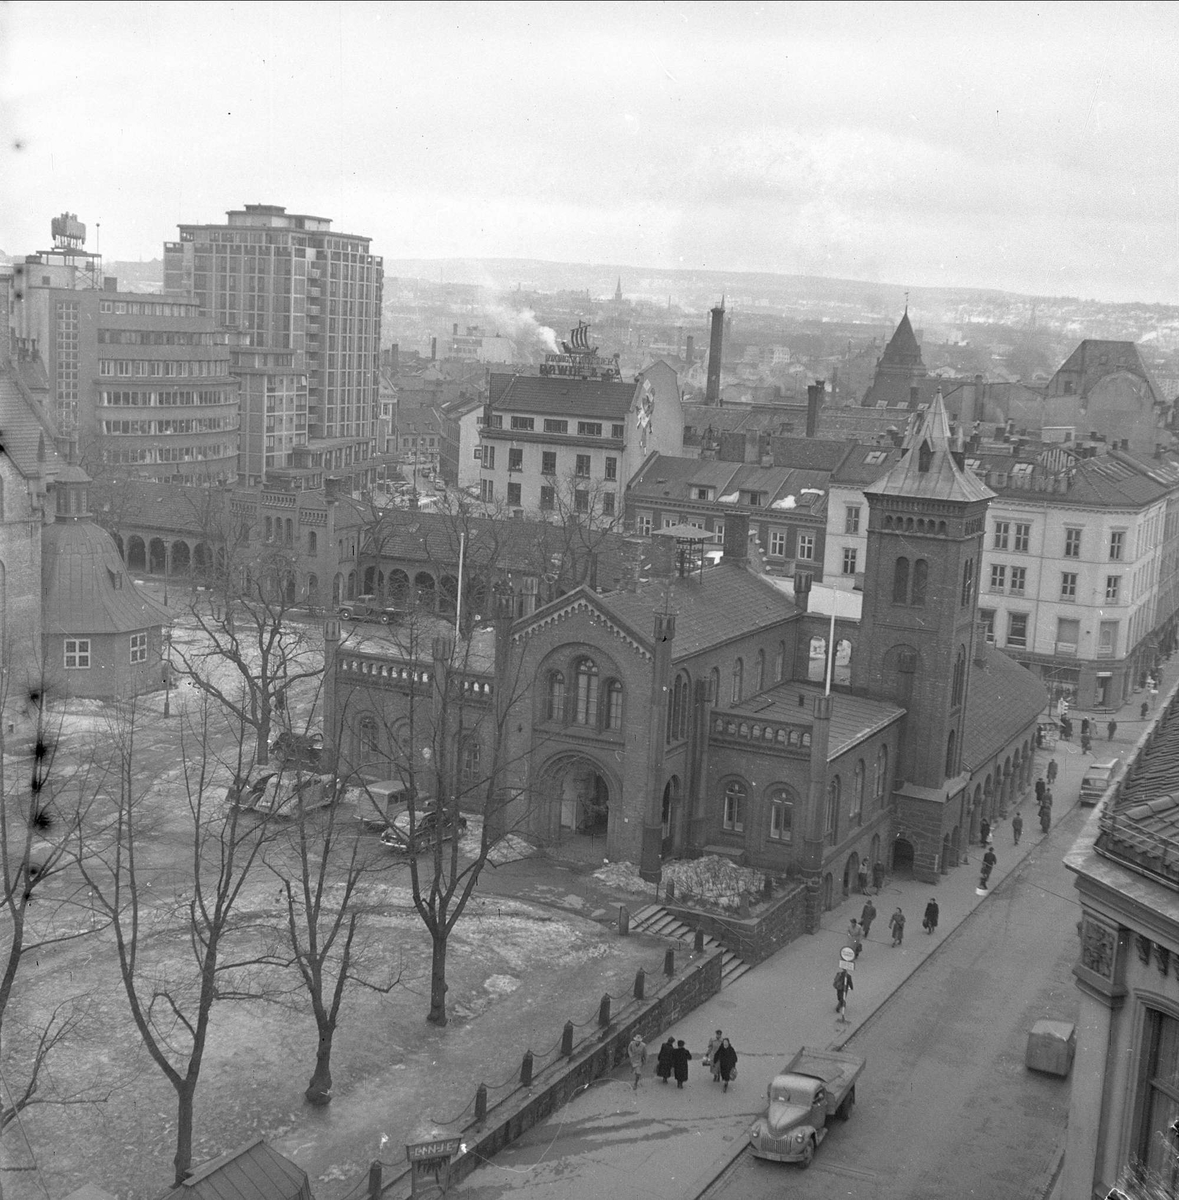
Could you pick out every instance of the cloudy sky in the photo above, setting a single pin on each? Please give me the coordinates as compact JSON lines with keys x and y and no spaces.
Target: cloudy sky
{"x":1029,"y":147}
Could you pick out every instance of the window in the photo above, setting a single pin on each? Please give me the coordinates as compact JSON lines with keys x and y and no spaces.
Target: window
{"x":582,"y":466}
{"x":831,"y":830}
{"x":880,"y":785}
{"x":611,"y":467}
{"x":607,"y":504}
{"x":851,"y":519}
{"x":312,"y":543}
{"x":1002,"y":535}
{"x":548,"y":499}
{"x":469,"y":771}
{"x":514,"y":495}
{"x":1017,"y":630}
{"x":738,"y":683}
{"x":1068,"y":585}
{"x":900,"y":581}
{"x":781,"y":816}
{"x":1160,"y":1099}
{"x":525,"y":423}
{"x":1068,"y":634}
{"x":1113,"y":588}
{"x":778,"y":543}
{"x":581,"y":500}
{"x":553,"y":426}
{"x":589,"y":428}
{"x":734,"y":815}
{"x":714,"y":686}
{"x":614,"y":705}
{"x":753,"y":499}
{"x":760,"y":677}
{"x":998,"y":577}
{"x":987,"y":617}
{"x":856,"y":815}
{"x":959,"y":684}
{"x":1023,"y":534}
{"x":643,"y":524}
{"x":489,"y":457}
{"x":806,"y":545}
{"x":515,"y":459}
{"x":951,"y":749}
{"x":1117,"y":545}
{"x":548,"y":462}
{"x":487,"y":490}
{"x":677,"y":711}
{"x":1107,"y":639}
{"x":967,"y":598}
{"x":586,"y":710}
{"x":77,"y":654}
{"x":920,"y":580}
{"x":556,"y":705}
{"x":780,"y":663}
{"x":1072,"y":543}
{"x":138,"y":647}
{"x":618,"y":432}
{"x":849,"y":560}
{"x":1019,"y":579}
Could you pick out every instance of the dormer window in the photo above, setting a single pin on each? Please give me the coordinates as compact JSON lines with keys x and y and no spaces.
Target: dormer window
{"x":924,"y":457}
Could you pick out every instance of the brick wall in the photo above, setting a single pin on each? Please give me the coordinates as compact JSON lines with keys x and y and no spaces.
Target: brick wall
{"x":753,"y":938}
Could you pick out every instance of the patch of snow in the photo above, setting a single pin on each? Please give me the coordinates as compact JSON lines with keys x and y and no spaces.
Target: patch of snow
{"x":712,"y":879}
{"x":501,"y":985}
{"x":785,"y":502}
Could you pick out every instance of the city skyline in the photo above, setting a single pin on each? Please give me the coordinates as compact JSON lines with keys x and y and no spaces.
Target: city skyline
{"x":966,"y":145}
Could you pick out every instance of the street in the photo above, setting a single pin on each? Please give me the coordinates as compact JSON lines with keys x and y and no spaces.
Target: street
{"x":945,"y":1106}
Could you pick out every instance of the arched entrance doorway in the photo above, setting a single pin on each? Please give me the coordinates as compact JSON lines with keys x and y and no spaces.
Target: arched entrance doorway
{"x":902,"y":857}
{"x":828,"y":892}
{"x":579,"y":806}
{"x":850,"y":871}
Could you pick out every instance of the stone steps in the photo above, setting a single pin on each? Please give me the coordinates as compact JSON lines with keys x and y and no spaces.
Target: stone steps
{"x":658,"y":922}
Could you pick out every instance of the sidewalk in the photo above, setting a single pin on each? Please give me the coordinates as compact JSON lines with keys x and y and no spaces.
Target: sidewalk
{"x":661,"y":1142}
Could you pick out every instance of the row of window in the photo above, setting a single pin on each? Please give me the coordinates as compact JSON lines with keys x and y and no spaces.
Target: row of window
{"x":1068,"y":633}
{"x":162,"y":368}
{"x":178,"y":398}
{"x":590,"y":705}
{"x":153,"y":337}
{"x":168,"y":454}
{"x":1016,"y":536}
{"x":198,"y":425}
{"x":779,"y":539}
{"x":77,"y":652}
{"x":548,"y":498}
{"x":582,"y":463}
{"x":136,"y":308}
{"x":558,"y":425}
{"x":1013,"y":581}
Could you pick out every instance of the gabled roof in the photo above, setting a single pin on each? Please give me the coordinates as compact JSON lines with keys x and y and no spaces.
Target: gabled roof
{"x":26,"y":434}
{"x":864,"y":464}
{"x":1094,"y":359}
{"x":902,"y":349}
{"x":812,"y":454}
{"x":1002,"y":700}
{"x":558,"y":395}
{"x":928,"y":469}
{"x":255,"y":1171}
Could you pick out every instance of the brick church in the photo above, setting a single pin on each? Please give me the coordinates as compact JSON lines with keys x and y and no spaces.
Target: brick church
{"x":704,"y":709}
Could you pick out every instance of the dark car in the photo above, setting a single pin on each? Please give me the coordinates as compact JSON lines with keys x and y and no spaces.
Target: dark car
{"x":300,"y":749}
{"x":429,"y":825}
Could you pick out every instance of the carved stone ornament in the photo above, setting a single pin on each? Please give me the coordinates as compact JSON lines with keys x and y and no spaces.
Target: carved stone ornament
{"x":1098,"y":947}
{"x":1162,"y":958}
{"x":1145,"y":946}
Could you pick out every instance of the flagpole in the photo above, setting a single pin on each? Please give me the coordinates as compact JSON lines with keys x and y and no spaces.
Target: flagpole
{"x":830,"y":649}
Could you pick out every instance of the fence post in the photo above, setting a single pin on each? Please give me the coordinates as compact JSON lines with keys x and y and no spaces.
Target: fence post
{"x":526,"y":1069}
{"x":623,"y":920}
{"x":669,"y":890}
{"x":698,"y":942}
{"x":669,"y":962}
{"x":567,"y":1040}
{"x":481,"y":1104}
{"x":604,"y":1011}
{"x":640,"y":983}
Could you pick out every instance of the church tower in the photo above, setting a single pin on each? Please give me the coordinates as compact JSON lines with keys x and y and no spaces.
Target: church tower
{"x":900,"y":379}
{"x":926,"y":520}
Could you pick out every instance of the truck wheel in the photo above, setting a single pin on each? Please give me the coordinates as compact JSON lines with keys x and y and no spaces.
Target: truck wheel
{"x":808,"y":1154}
{"x":849,"y":1102}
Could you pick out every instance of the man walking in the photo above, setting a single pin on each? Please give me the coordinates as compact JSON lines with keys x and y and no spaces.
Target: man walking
{"x":843,"y":985}
{"x":984,"y":831}
{"x":1112,"y":728}
{"x":637,"y":1053}
{"x":1086,"y":742}
{"x":1052,"y":768}
{"x":867,"y":916}
{"x":1040,"y":787}
{"x":896,"y":925}
{"x":988,"y":864}
{"x":929,"y":922}
{"x":1017,"y":825}
{"x":710,"y":1054}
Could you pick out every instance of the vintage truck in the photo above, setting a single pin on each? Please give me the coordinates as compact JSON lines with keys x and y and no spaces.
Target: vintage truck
{"x":814,"y":1087}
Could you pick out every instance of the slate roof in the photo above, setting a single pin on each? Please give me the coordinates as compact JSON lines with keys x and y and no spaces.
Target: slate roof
{"x":902,"y":349}
{"x":855,"y":470}
{"x":863,"y":424}
{"x":667,"y":477}
{"x":746,"y":601}
{"x":26,"y":434}
{"x":255,"y":1171}
{"x":159,"y":506}
{"x":812,"y":454}
{"x":1003,"y":699}
{"x":853,"y":718}
{"x":413,"y":641}
{"x":1094,"y":359}
{"x":557,"y":395}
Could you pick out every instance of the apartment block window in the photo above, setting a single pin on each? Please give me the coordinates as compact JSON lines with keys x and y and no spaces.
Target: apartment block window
{"x":548,"y":499}
{"x":1002,"y":535}
{"x":1113,"y":589}
{"x":1107,"y":639}
{"x":778,"y":543}
{"x":781,"y":816}
{"x":643,"y":524}
{"x":525,"y":423}
{"x":496,"y":421}
{"x":611,"y":468}
{"x":753,"y":499}
{"x":589,"y":428}
{"x":1068,"y":585}
{"x":515,"y":458}
{"x":489,"y":457}
{"x":138,"y":647}
{"x":1068,"y":635}
{"x":1117,"y":545}
{"x":581,"y":500}
{"x":548,"y":462}
{"x":514,"y":495}
{"x":1019,"y":579}
{"x":987,"y":617}
{"x":486,"y":490}
{"x":582,"y":466}
{"x":734,"y":815}
{"x":1159,"y":1106}
{"x":607,"y":504}
{"x":1072,"y":543}
{"x":77,"y":654}
{"x":1017,"y":630}
{"x":618,"y":432}
{"x":1021,"y":537}
{"x":554,"y":426}
{"x":806,"y":545}
{"x":849,"y":560}
{"x":851,"y":519}
{"x":998,"y":578}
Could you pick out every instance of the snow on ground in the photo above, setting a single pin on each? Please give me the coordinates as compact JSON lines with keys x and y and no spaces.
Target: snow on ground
{"x":711,"y":880}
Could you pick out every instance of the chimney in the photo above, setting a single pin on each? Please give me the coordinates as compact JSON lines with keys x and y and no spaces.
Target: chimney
{"x":715,"y":346}
{"x":802,"y":591}
{"x":454,"y":331}
{"x":690,"y":350}
{"x":814,"y":401}
{"x":331,"y":489}
{"x":736,"y":544}
{"x":663,"y":555}
{"x":433,"y":349}
{"x":633,"y":552}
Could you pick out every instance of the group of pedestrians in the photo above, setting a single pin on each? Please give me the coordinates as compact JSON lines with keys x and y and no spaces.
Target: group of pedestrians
{"x":673,"y":1058}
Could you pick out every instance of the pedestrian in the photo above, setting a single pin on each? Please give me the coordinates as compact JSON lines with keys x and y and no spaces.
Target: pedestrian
{"x":1047,"y":800}
{"x":1144,"y":710}
{"x":1066,"y":729}
{"x":843,"y":985}
{"x":984,"y":831}
{"x":680,"y":1057}
{"x":862,"y":878}
{"x":1052,"y":769}
{"x":1040,"y":786}
{"x":714,"y":1044}
{"x":1017,"y":826}
{"x":929,"y":922}
{"x":988,"y":865}
{"x":637,"y":1053}
{"x":896,"y":926}
{"x":1084,"y":726}
{"x":1112,"y":728}
{"x":727,"y":1059}
{"x":867,"y":916}
{"x":1039,"y":737}
{"x":878,"y":876}
{"x":853,"y":936}
{"x":663,"y":1063}
{"x":1085,"y":743}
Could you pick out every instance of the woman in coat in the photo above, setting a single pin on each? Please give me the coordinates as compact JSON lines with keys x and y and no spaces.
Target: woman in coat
{"x":663,"y":1063}
{"x":679,"y":1063}
{"x":726,"y":1059}
{"x":931,"y":915}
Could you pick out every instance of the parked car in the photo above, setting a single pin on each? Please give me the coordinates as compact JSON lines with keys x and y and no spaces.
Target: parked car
{"x":429,"y":824}
{"x":1097,"y":778}
{"x":366,"y":608}
{"x":298,"y":749}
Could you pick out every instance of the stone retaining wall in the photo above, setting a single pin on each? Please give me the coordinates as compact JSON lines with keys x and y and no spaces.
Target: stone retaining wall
{"x":753,"y":938}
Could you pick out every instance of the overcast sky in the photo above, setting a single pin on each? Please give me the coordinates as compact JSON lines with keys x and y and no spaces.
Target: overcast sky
{"x":1026,"y":147}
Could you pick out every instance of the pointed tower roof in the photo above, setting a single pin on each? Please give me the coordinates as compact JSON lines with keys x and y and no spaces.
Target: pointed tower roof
{"x":902,"y":349}
{"x":928,"y":467}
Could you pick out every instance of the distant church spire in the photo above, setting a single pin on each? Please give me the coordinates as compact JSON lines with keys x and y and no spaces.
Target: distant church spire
{"x":618,"y":290}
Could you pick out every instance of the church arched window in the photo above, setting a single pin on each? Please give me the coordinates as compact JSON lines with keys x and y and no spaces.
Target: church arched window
{"x":586,"y":712}
{"x":959,"y":678}
{"x":920,"y":581}
{"x":900,"y":581}
{"x":951,"y":746}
